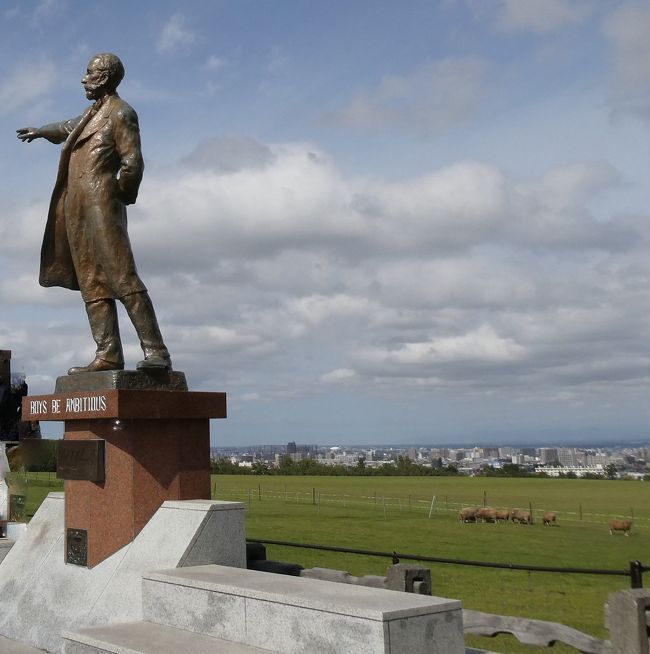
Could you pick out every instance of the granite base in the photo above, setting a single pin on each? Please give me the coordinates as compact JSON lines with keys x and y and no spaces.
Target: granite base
{"x":42,"y":596}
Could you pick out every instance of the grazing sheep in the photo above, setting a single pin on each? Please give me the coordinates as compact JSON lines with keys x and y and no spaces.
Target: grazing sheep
{"x":486,"y":514}
{"x":522,"y":517}
{"x":503,"y":515}
{"x":620,"y":525}
{"x":468,"y":514}
{"x":550,"y":518}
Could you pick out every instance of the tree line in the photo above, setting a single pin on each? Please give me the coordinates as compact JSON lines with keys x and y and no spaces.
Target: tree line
{"x":308,"y":467}
{"x":402,"y":467}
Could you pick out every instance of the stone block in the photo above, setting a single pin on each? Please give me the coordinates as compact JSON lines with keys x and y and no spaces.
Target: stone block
{"x":294,"y":615}
{"x":14,"y":647}
{"x":627,"y":616}
{"x":42,"y":596}
{"x":147,"y":638}
{"x":409,"y":578}
{"x":162,"y":380}
{"x":5,"y":545}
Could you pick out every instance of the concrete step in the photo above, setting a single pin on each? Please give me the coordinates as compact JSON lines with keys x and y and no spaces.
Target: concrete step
{"x":294,"y":615}
{"x":8,"y":646}
{"x":146,"y":638}
{"x":5,"y":545}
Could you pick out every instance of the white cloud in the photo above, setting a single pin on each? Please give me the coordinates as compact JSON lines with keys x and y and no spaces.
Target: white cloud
{"x":269,"y":265}
{"x":47,"y":8}
{"x":627,"y":30}
{"x":214,"y":63}
{"x":542,"y":16}
{"x":426,"y":101}
{"x":482,"y":344}
{"x":339,"y":376}
{"x":27,"y":83}
{"x":277,"y":60}
{"x":175,"y":35}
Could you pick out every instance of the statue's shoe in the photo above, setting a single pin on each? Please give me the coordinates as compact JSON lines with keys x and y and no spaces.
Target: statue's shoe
{"x":97,"y":365}
{"x":154,"y":362}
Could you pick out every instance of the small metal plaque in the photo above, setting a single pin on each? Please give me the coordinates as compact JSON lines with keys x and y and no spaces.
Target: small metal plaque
{"x":76,"y":547}
{"x":16,"y":508}
{"x":81,"y":460}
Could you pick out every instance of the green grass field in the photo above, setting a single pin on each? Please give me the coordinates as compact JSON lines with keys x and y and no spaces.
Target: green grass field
{"x":392,"y":513}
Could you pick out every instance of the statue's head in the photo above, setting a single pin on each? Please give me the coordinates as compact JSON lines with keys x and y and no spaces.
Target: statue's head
{"x":103,"y":75}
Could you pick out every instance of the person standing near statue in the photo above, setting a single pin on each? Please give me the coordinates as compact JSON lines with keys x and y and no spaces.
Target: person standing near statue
{"x":86,"y":246}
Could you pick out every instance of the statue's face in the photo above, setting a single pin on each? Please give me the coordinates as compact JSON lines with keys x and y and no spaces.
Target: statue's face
{"x":94,"y":80}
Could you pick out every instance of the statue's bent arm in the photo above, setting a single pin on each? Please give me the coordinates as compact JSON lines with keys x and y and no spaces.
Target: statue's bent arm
{"x":127,"y":143}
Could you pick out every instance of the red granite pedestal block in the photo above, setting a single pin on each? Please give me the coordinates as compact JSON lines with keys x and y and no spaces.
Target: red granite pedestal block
{"x":147,"y":462}
{"x":156,"y":448}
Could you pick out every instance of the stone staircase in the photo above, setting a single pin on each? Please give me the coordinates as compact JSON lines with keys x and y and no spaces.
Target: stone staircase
{"x":149,"y":638}
{"x":219,"y":609}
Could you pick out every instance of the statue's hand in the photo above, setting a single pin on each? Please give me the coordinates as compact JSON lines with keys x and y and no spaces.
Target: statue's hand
{"x":28,"y":134}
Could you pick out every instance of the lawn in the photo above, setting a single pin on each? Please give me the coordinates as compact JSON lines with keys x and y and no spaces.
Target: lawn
{"x":392,"y":514}
{"x":395,"y":514}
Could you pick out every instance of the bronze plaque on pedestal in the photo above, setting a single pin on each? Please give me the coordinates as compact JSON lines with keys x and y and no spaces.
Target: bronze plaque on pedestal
{"x":76,"y":547}
{"x":81,"y":460}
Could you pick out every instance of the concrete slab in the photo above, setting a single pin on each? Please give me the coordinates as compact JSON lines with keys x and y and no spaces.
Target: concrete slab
{"x":147,"y":638}
{"x":5,"y":545}
{"x":294,"y":615}
{"x":42,"y":595}
{"x":8,"y":646}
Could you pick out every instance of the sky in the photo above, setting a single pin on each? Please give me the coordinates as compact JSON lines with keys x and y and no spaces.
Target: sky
{"x":367,"y":222}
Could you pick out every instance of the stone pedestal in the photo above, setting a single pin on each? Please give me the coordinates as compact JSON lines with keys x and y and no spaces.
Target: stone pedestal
{"x":154,"y":446}
{"x":42,"y":596}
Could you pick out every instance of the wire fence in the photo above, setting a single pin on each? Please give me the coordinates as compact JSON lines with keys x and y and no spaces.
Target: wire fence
{"x":430,"y":506}
{"x":634,"y":572}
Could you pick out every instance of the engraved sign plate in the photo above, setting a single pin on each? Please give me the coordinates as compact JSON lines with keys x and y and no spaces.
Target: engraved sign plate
{"x":76,"y":547}
{"x":81,"y":460}
{"x":16,"y":508}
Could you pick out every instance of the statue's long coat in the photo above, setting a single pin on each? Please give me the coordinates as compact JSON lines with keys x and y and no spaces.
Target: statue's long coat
{"x":86,"y":246}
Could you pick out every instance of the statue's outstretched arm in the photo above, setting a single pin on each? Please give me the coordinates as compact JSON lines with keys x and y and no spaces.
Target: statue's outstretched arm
{"x":54,"y":132}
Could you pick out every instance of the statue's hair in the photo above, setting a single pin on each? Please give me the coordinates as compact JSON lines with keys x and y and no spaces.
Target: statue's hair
{"x":113,"y":66}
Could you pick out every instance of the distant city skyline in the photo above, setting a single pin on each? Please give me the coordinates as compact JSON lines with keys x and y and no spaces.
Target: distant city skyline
{"x":372,"y":220}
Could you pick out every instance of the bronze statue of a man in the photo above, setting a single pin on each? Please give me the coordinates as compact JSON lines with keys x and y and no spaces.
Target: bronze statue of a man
{"x":86,"y":246}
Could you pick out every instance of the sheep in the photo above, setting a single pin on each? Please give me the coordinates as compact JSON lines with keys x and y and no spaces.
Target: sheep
{"x":468,"y":514}
{"x":486,"y":514}
{"x":620,"y":525}
{"x":550,"y":518}
{"x":522,"y":517}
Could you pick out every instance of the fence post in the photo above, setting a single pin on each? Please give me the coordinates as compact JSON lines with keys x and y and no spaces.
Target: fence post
{"x":636,"y":574}
{"x":484,"y":498}
{"x":259,"y":492}
{"x":625,"y":618}
{"x":313,"y":496}
{"x":433,"y":500}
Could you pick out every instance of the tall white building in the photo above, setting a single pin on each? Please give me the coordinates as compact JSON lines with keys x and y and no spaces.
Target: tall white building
{"x":547,"y":455}
{"x":566,"y":456}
